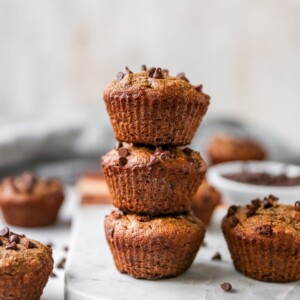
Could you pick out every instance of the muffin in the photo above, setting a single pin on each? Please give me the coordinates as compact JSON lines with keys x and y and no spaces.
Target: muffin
{"x":28,"y":201}
{"x":224,"y":148}
{"x":151,"y":107}
{"x":264,"y":239}
{"x":153,"y":248}
{"x":25,"y":266}
{"x":205,"y":201}
{"x":153,"y":181}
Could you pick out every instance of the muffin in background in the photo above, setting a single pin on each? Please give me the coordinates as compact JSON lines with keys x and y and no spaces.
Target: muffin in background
{"x":264,"y":239}
{"x":152,"y":107}
{"x":205,"y":201}
{"x":29,"y":201}
{"x":224,"y":148}
{"x":25,"y":266}
{"x":153,"y":248}
{"x":153,"y":180}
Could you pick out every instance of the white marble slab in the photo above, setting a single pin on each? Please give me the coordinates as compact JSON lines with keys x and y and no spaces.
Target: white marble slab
{"x":91,"y":274}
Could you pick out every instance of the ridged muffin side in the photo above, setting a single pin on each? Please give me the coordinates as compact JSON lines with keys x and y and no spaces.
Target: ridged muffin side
{"x":154,"y":181}
{"x":264,"y":240}
{"x":153,"y":248}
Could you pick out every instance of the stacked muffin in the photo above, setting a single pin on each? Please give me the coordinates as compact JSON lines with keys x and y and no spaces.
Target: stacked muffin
{"x":150,"y":176}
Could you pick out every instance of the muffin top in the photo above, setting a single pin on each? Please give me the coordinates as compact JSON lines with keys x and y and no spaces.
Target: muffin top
{"x":157,"y":82}
{"x":264,"y":218}
{"x":29,"y":187}
{"x":145,"y":226}
{"x":230,"y":148}
{"x":128,"y":156}
{"x":18,"y":254}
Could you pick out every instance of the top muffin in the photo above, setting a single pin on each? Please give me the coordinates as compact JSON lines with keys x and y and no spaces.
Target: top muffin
{"x":151,"y":107}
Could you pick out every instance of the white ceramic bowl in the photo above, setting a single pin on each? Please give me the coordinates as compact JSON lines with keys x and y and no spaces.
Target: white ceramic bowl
{"x":241,"y":193}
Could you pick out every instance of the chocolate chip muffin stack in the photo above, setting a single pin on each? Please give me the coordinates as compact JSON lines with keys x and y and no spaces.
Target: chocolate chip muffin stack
{"x":151,"y":176}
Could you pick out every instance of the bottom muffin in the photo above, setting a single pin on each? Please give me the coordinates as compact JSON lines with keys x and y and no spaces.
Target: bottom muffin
{"x":25,"y":266}
{"x":153,"y":247}
{"x":264,"y":239}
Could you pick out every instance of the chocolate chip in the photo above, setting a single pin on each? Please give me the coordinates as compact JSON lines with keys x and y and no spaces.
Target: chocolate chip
{"x":251,"y":212}
{"x":217,"y":256}
{"x":226,"y":286}
{"x":143,"y":68}
{"x":123,"y":152}
{"x":49,"y":245}
{"x":265,"y":230}
{"x":165,"y":71}
{"x":199,"y":88}
{"x":181,"y":75}
{"x":255,"y":203}
{"x":14,"y":238}
{"x":187,"y":151}
{"x":12,"y":246}
{"x":30,"y":245}
{"x":4,"y":232}
{"x":122,"y":161}
{"x":267,"y":203}
{"x":158,"y":74}
{"x":153,"y":160}
{"x":150,"y":72}
{"x":233,"y":221}
{"x":61,"y":264}
{"x":165,"y":155}
{"x":120,"y":76}
{"x":1,"y":243}
{"x":297,"y":205}
{"x":66,"y":248}
{"x":128,"y":71}
{"x":53,"y":275}
{"x":232,"y":210}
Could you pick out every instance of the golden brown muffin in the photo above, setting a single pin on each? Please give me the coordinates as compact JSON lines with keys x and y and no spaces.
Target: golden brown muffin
{"x":28,"y":201}
{"x":154,"y":181}
{"x":153,"y":248}
{"x":25,"y":266}
{"x":224,"y":148}
{"x":264,"y":239}
{"x":205,"y":201}
{"x":151,"y":107}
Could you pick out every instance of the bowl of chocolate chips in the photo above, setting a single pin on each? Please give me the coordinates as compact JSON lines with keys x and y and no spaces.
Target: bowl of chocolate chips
{"x":243,"y":180}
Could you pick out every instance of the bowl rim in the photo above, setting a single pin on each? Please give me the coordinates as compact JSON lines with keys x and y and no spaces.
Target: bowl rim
{"x":215,"y":177}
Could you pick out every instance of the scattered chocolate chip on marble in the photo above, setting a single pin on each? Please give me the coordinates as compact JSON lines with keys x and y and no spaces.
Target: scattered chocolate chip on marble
{"x":153,"y":160}
{"x":199,"y":88}
{"x":12,"y":246}
{"x":120,"y":76}
{"x":233,"y":221}
{"x":128,"y":71}
{"x":217,"y":256}
{"x":61,"y":264}
{"x":158,"y":74}
{"x":122,"y":161}
{"x":30,"y":245}
{"x":123,"y":152}
{"x":4,"y":232}
{"x":265,"y":230}
{"x":297,"y":205}
{"x":14,"y":238}
{"x":182,"y":76}
{"x":143,"y":68}
{"x":226,"y":287}
{"x":232,"y":210}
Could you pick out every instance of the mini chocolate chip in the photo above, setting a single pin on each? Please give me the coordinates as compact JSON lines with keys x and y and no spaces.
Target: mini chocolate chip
{"x":4,"y":232}
{"x":123,"y":152}
{"x":187,"y":151}
{"x":267,"y":203}
{"x":143,"y":68}
{"x":53,"y":275}
{"x":158,"y":74}
{"x":217,"y":256}
{"x":150,"y":72}
{"x":61,"y":264}
{"x":12,"y":246}
{"x":122,"y":161}
{"x":30,"y":245}
{"x":251,"y":212}
{"x":297,"y":205}
{"x":265,"y":230}
{"x":232,"y":210}
{"x":256,"y":203}
{"x":128,"y":71}
{"x":166,"y":71}
{"x":181,"y":75}
{"x":226,"y":286}
{"x":233,"y":221}
{"x":14,"y":238}
{"x":273,"y":198}
{"x":120,"y":76}
{"x":199,"y":88}
{"x":165,"y":155}
{"x":153,"y":160}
